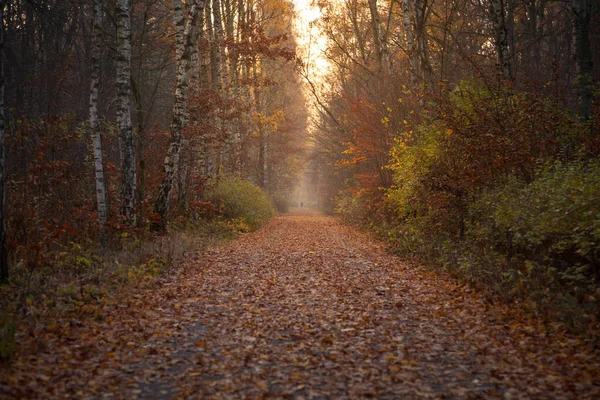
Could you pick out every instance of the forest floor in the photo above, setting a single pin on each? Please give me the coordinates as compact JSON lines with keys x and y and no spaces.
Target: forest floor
{"x":305,"y":308}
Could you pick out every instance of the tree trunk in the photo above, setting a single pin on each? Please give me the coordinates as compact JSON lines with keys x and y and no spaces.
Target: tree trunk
{"x":128,"y":171}
{"x":180,"y":44}
{"x":209,"y":142}
{"x":217,"y":42}
{"x":235,"y":92}
{"x":498,"y":13}
{"x":229,"y":67}
{"x":179,"y":120}
{"x":408,"y":17}
{"x":381,"y":50}
{"x":422,"y":42}
{"x":353,"y":13}
{"x":262,"y":132}
{"x":179,"y":22}
{"x":220,"y":68}
{"x":582,"y":10}
{"x":3,"y":255}
{"x":244,"y":93}
{"x":195,"y":59}
{"x":97,"y":139}
{"x":202,"y":58}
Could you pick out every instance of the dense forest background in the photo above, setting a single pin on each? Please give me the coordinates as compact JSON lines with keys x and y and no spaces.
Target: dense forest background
{"x":465,"y":133}
{"x":119,"y":112}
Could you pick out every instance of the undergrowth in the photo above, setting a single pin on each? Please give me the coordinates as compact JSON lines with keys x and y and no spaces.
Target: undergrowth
{"x":76,"y":280}
{"x":502,"y":190}
{"x":81,"y":280}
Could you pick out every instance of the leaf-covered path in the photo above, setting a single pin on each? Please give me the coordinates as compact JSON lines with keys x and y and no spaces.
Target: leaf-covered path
{"x":307,"y":308}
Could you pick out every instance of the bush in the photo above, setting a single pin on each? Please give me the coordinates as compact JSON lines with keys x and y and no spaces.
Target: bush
{"x":554,"y":220}
{"x":476,"y":141}
{"x":475,"y":193}
{"x":358,"y":207}
{"x":538,"y":241}
{"x":242,"y":200}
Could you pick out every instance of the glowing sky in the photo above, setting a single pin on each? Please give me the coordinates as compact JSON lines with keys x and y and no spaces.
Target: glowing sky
{"x":309,"y":37}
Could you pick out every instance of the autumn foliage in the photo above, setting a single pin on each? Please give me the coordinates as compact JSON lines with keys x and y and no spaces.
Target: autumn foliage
{"x":472,"y":156}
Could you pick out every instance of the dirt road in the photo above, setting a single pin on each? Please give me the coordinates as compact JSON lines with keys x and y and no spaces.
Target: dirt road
{"x":308,"y":308}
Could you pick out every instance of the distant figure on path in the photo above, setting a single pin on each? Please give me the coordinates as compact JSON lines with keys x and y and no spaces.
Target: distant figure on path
{"x":301,"y":204}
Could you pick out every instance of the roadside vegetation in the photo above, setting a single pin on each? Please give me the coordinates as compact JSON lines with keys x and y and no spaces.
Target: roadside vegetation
{"x":467,"y":135}
{"x":503,"y":190}
{"x":74,"y":283}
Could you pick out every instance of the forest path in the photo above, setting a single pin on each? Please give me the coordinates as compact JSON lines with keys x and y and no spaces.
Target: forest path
{"x":308,"y":308}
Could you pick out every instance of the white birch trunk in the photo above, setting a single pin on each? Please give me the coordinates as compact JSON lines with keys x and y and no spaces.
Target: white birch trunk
{"x":231,"y":129}
{"x":501,"y":37}
{"x":209,"y":142}
{"x":180,"y":44}
{"x":97,"y":140}
{"x":195,"y":61}
{"x":128,"y":172}
{"x":262,"y":132}
{"x":242,"y":124}
{"x":194,"y":54}
{"x":222,"y":144}
{"x":179,"y":120}
{"x":381,"y":49}
{"x":179,"y":23}
{"x":218,"y":41}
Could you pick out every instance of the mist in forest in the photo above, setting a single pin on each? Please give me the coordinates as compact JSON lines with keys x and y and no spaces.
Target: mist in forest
{"x":138,"y":136}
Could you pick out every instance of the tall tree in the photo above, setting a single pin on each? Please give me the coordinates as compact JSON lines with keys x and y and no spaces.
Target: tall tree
{"x":3,"y":256}
{"x":411,"y":50}
{"x":379,"y":40}
{"x":93,"y":119}
{"x":221,"y":78}
{"x":180,"y":112}
{"x":501,"y":40}
{"x":582,"y":11}
{"x":128,"y":167}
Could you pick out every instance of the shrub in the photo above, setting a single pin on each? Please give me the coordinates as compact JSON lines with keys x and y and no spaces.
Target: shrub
{"x":553,"y":220}
{"x":539,"y":241}
{"x":239,"y":199}
{"x":358,"y":207}
{"x":475,"y":193}
{"x":477,"y":140}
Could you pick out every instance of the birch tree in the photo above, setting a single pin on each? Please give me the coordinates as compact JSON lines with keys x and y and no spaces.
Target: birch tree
{"x":128,"y":172}
{"x":414,"y":21}
{"x":381,"y":49}
{"x":97,"y":141}
{"x":179,"y":119}
{"x":498,"y":16}
{"x":221,"y":79}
